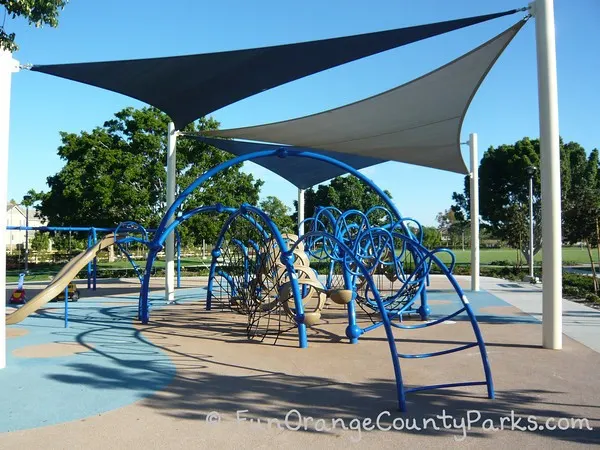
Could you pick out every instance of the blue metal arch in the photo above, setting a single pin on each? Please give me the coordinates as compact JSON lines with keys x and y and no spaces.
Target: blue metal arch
{"x":165,"y":228}
{"x":241,"y":245}
{"x":155,"y":246}
{"x":386,"y":320}
{"x":281,"y":153}
{"x":216,"y":252}
{"x":286,"y":258}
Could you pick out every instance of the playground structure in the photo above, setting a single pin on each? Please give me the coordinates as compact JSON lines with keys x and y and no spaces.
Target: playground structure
{"x":374,"y":260}
{"x":359,"y":251}
{"x":61,"y":286}
{"x":92,"y":239}
{"x":267,"y":276}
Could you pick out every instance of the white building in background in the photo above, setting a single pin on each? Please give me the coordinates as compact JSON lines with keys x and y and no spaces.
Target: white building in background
{"x":16,"y":216}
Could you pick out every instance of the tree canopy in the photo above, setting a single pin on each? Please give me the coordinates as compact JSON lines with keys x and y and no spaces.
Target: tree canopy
{"x":40,"y":242}
{"x":432,"y":237}
{"x":117,"y":172}
{"x":581,"y":200}
{"x":452,"y":224}
{"x":279,"y":213}
{"x":343,"y":192}
{"x":36,"y":12}
{"x":504,"y":193}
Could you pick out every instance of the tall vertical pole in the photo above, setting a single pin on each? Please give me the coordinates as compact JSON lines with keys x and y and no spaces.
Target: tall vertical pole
{"x":300,"y":212}
{"x":8,"y":66}
{"x":26,"y":238}
{"x":531,"y":277}
{"x":543,"y":10}
{"x":170,"y":242}
{"x":474,"y":211}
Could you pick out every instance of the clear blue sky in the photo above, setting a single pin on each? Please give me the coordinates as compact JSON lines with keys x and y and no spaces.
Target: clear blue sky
{"x":503,"y":111}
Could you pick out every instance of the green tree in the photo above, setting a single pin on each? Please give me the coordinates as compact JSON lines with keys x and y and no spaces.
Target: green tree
{"x":37,"y":12}
{"x":504,"y":193}
{"x":29,"y":199}
{"x":581,"y":204}
{"x":279,"y":213}
{"x":40,"y":242}
{"x":117,"y":173}
{"x":452,"y":224}
{"x":343,"y":192}
{"x":432,"y":237}
{"x":64,"y":241}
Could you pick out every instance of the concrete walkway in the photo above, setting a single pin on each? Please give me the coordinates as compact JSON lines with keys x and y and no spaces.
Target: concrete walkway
{"x":580,"y":322}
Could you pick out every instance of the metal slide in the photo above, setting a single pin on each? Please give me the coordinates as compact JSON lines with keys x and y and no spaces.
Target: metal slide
{"x":60,"y":281}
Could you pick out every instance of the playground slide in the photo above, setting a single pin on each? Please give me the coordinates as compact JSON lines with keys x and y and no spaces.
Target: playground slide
{"x":60,"y":281}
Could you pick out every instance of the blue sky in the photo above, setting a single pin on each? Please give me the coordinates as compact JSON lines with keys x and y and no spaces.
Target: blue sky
{"x":504,"y":110}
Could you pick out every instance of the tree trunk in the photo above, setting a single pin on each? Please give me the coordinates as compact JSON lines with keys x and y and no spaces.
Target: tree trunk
{"x":111,"y":254}
{"x":594,"y":276}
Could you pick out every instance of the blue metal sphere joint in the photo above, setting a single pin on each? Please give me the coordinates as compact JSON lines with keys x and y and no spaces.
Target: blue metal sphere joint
{"x":216,"y":253}
{"x":353,"y":332}
{"x":424,"y":311}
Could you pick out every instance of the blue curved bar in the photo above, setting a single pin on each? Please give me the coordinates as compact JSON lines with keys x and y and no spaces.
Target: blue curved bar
{"x":439,"y":353}
{"x":388,"y":325}
{"x":334,"y":244}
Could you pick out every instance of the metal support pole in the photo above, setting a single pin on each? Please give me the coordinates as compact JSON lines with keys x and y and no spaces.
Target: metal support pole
{"x":67,"y":306}
{"x":170,"y":242}
{"x":95,"y":261}
{"x":178,"y":260}
{"x":8,"y":66}
{"x":474,"y":185}
{"x":543,"y":10}
{"x":300,"y":212}
{"x":89,"y":265}
{"x":531,"y":276}
{"x":26,"y":239}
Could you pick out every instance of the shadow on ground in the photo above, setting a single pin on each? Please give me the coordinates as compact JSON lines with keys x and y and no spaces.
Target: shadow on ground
{"x":206,"y":380}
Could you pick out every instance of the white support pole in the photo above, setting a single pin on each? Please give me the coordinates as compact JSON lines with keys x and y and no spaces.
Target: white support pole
{"x":531,"y":275}
{"x":170,"y":241}
{"x":543,"y":10}
{"x":300,"y":212}
{"x":8,"y":66}
{"x":474,"y":212}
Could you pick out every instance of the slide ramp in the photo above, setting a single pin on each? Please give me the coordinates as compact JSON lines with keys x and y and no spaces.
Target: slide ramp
{"x":60,"y":281}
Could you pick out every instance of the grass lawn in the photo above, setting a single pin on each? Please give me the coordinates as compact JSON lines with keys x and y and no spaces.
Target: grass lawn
{"x":500,"y":257}
{"x":507,"y":256}
{"x":43,"y":272}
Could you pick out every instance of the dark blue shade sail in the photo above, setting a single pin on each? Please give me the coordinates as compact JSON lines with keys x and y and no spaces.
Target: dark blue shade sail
{"x":417,"y":123}
{"x":189,"y":87}
{"x":302,"y":172}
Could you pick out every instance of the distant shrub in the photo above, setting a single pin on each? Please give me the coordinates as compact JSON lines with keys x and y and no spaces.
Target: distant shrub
{"x":592,"y":298}
{"x":503,"y":262}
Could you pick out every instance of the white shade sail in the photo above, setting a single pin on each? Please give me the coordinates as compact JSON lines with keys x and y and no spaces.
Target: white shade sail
{"x":416,"y":123}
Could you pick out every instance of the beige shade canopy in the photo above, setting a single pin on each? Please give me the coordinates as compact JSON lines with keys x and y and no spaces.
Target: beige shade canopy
{"x":416,"y":123}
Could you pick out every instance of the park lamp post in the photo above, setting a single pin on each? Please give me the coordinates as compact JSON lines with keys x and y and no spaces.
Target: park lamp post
{"x":530,"y":172}
{"x":27,"y":200}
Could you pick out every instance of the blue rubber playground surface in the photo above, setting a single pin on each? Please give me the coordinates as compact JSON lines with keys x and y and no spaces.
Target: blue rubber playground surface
{"x":39,"y":391}
{"x":482,"y":303}
{"x":111,"y":365}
